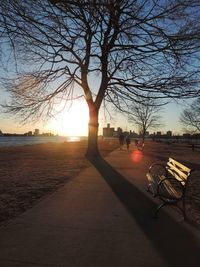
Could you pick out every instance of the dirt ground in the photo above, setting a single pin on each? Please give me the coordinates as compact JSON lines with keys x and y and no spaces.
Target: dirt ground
{"x":28,"y":173}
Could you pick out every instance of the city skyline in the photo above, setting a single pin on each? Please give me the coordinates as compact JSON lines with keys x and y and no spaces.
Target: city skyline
{"x":171,"y":117}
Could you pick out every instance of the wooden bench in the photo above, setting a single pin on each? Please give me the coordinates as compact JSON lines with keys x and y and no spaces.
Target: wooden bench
{"x":168,"y":183}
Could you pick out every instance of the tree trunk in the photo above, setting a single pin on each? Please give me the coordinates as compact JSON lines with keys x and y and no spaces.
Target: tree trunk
{"x":92,"y":149}
{"x":143,"y":138}
{"x":143,"y":134}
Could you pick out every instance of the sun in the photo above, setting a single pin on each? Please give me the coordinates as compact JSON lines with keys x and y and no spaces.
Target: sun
{"x":72,"y":121}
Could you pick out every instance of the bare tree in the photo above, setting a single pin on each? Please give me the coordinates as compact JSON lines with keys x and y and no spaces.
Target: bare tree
{"x":145,"y":115}
{"x":190,"y":117}
{"x":115,"y":51}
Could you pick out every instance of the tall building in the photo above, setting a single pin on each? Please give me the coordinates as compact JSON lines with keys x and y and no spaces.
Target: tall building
{"x":36,"y":132}
{"x":169,"y":133}
{"x":119,"y":131}
{"x":108,"y":131}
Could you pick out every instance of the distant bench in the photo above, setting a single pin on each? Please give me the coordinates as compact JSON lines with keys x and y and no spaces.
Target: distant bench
{"x":168,"y":183}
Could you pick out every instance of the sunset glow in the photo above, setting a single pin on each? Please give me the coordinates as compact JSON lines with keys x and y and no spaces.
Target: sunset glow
{"x":73,"y":121}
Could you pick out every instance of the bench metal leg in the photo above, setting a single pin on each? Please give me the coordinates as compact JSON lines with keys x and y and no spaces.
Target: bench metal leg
{"x":148,"y":188}
{"x":158,"y":209}
{"x":184,"y":214}
{"x":151,"y":191}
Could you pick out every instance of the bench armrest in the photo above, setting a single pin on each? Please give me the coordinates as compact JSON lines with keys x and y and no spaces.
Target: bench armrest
{"x":170,"y":190}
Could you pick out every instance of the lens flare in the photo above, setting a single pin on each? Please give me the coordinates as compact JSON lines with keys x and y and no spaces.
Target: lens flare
{"x":136,"y":156}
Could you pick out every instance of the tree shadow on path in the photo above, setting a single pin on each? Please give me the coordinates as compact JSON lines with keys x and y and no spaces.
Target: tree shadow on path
{"x":173,"y":241}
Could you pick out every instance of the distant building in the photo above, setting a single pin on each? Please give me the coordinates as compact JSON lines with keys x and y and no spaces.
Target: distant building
{"x":169,"y":133}
{"x":133,"y":134}
{"x":47,"y":134}
{"x":186,"y":135}
{"x":196,"y":135}
{"x":108,"y":131}
{"x":119,"y":131}
{"x":36,"y":132}
{"x":158,"y":134}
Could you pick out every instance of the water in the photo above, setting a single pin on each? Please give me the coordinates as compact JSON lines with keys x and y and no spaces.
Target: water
{"x":30,"y":140}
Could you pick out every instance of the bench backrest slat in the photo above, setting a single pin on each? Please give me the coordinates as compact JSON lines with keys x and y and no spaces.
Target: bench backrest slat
{"x":181,"y":166}
{"x":173,"y":169}
{"x":178,"y":170}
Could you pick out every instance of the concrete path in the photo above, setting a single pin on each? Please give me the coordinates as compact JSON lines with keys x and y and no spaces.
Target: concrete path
{"x":102,"y":217}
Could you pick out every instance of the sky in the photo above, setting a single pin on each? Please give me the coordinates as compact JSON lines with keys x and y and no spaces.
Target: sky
{"x":74,"y":122}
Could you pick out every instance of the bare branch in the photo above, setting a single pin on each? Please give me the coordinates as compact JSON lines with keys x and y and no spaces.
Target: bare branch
{"x":190,"y":117}
{"x":112,"y":51}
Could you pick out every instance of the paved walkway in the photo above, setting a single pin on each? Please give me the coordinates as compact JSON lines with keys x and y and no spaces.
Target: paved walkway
{"x":102,"y":217}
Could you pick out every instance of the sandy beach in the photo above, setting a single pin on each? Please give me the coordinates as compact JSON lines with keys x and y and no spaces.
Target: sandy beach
{"x":31,"y":172}
{"x":28,"y":173}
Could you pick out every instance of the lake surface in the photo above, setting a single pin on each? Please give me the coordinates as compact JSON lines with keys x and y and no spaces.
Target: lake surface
{"x":30,"y":140}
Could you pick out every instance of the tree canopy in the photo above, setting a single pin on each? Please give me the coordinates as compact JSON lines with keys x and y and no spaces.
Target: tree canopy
{"x":145,"y":115}
{"x":117,"y":51}
{"x":190,"y":117}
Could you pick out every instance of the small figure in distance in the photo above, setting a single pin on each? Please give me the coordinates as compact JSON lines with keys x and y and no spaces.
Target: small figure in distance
{"x":128,"y":141}
{"x":136,"y":143}
{"x":121,"y":140}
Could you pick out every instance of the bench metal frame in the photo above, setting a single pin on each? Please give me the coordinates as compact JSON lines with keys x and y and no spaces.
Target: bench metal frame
{"x":168,"y":183}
